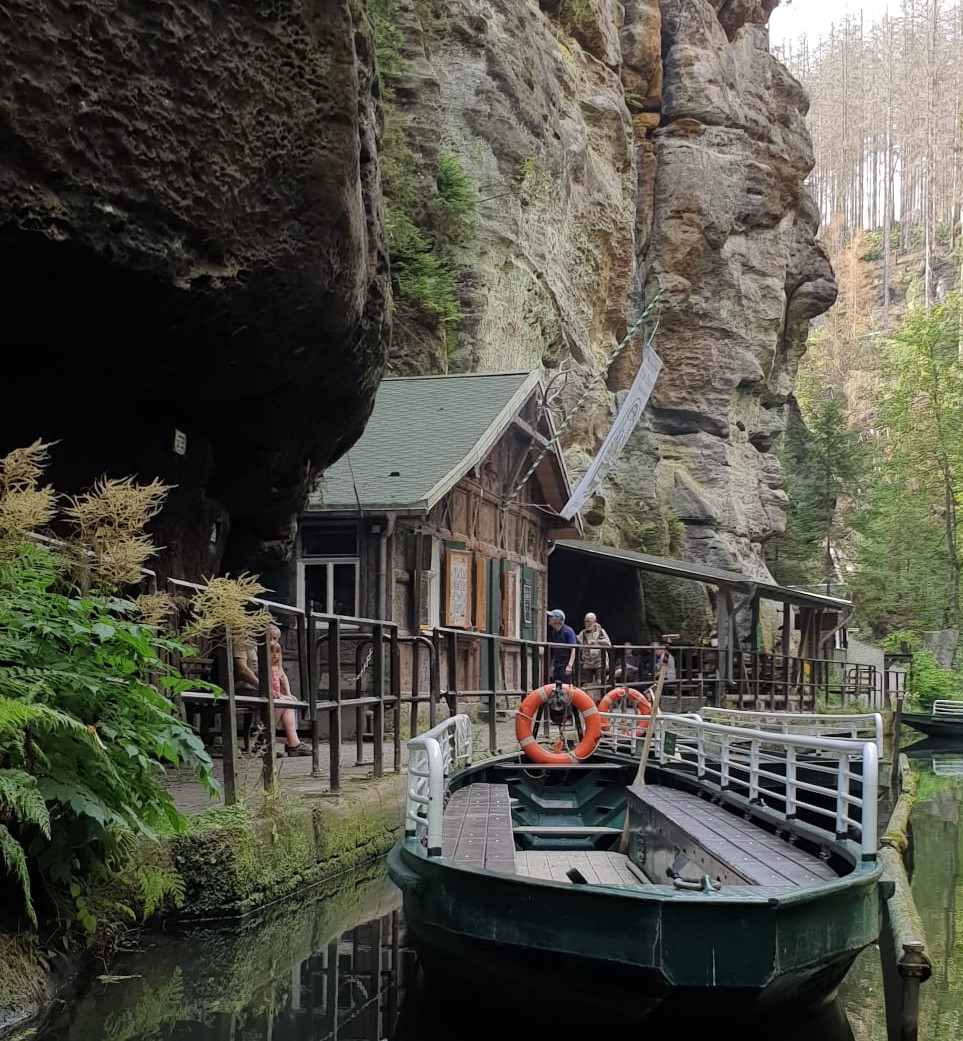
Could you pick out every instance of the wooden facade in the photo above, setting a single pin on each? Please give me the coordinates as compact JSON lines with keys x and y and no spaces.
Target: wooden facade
{"x":474,"y":560}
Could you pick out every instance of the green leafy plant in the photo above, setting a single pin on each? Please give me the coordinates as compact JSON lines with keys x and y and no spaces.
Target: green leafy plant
{"x":455,"y":204}
{"x":87,"y":721}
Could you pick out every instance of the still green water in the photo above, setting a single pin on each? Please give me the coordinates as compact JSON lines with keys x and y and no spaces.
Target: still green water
{"x":335,"y":965}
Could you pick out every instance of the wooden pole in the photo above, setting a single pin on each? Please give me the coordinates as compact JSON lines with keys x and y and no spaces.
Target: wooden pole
{"x":656,"y":691}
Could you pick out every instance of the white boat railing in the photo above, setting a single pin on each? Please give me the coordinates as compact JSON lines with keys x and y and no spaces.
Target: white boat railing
{"x":825,"y":782}
{"x":432,"y":756}
{"x":947,"y":709}
{"x":866,"y":726}
{"x":832,"y":781}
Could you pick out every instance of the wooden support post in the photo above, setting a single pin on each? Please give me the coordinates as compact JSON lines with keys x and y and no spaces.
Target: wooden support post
{"x":451,"y":654}
{"x":268,"y":761}
{"x":225,"y":656}
{"x":394,"y":688}
{"x":491,"y":650}
{"x":434,"y":678}
{"x":378,"y":679}
{"x":334,"y":694}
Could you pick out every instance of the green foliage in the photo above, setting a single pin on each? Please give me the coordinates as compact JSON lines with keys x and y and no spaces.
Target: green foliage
{"x":873,"y":242}
{"x":928,"y":680}
{"x":455,"y":204}
{"x":908,"y":548}
{"x":932,"y":681}
{"x":575,"y":15}
{"x":824,"y":463}
{"x":422,"y":280}
{"x":86,"y":725}
{"x":424,"y":227}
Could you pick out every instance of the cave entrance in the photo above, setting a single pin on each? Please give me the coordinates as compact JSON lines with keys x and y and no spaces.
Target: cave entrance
{"x":128,"y":374}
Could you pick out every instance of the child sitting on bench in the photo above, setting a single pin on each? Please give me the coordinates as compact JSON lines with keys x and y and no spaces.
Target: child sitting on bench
{"x":281,"y":691}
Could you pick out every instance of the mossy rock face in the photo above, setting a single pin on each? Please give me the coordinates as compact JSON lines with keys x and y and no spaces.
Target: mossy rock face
{"x":236,"y":859}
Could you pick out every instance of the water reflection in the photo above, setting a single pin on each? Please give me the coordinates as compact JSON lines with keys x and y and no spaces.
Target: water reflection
{"x":428,"y":1016}
{"x":338,"y":967}
{"x":937,"y":879}
{"x":331,"y":967}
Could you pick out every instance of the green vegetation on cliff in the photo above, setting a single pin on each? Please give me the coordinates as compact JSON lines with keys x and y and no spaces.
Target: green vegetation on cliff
{"x":429,"y":217}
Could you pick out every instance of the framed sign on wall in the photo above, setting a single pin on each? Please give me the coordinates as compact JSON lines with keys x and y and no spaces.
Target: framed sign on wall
{"x":458,"y":588}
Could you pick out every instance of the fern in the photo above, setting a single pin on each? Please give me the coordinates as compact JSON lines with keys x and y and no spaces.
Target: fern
{"x":15,"y":861}
{"x":20,"y":798}
{"x":158,"y":884}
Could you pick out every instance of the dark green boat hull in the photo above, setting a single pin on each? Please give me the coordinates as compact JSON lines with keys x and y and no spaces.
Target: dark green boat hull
{"x":933,"y":726}
{"x":622,"y":952}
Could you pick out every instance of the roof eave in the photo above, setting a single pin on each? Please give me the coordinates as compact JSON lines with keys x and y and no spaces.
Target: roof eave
{"x":484,"y":444}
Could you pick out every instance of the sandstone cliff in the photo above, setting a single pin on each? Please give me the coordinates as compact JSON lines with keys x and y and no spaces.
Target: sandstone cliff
{"x":192,"y":239}
{"x":619,"y":150}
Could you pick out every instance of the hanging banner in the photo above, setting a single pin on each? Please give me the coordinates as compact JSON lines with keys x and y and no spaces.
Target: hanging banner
{"x":625,"y":422}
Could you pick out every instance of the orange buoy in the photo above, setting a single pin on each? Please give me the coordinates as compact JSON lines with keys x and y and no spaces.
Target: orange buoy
{"x":627,"y":694}
{"x":525,"y":717}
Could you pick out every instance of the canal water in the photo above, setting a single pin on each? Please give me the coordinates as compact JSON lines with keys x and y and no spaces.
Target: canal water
{"x":335,"y":964}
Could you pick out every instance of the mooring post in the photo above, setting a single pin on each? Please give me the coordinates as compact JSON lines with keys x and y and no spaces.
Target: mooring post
{"x":914,"y":968}
{"x":905,"y":924}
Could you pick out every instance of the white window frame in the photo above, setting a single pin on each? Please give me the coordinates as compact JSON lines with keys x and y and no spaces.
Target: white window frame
{"x":432,"y":587}
{"x":329,"y":562}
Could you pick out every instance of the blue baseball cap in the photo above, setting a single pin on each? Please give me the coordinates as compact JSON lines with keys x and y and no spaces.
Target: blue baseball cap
{"x":556,"y":613}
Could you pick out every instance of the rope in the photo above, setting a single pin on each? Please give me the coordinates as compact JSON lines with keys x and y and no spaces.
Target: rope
{"x":577,"y":407}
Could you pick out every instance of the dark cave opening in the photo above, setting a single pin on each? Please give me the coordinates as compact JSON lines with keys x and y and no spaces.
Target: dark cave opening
{"x":111,"y":363}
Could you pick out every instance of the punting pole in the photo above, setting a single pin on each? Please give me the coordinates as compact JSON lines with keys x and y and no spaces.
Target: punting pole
{"x":905,"y":925}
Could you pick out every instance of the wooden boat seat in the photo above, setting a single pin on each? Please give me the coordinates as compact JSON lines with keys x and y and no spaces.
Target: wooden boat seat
{"x":477,"y":827}
{"x":722,"y":844}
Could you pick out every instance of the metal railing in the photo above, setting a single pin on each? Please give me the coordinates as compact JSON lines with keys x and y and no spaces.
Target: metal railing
{"x":832,"y":782}
{"x":866,"y":726}
{"x":431,"y":759}
{"x":359,"y":681}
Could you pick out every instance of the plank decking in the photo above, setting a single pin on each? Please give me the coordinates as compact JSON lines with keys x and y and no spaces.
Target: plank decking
{"x":597,"y":867}
{"x":753,"y":854}
{"x":477,"y":827}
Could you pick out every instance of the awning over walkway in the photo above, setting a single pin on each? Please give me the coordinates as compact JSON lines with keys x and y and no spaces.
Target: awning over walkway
{"x":728,"y":580}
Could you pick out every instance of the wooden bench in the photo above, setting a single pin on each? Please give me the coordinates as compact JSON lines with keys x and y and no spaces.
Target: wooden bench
{"x":477,"y":828}
{"x":717,"y":842}
{"x":207,"y":706}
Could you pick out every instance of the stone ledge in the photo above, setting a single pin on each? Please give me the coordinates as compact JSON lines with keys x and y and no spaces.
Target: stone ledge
{"x":236,"y":859}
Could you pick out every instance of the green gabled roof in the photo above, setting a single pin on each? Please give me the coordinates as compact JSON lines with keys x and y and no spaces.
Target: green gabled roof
{"x":425,"y":433}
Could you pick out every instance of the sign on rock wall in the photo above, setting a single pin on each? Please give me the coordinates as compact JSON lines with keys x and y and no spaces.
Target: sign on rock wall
{"x":625,"y":422}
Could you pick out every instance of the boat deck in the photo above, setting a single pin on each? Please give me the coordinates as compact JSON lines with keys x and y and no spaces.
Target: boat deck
{"x":597,"y":867}
{"x":716,"y":840}
{"x":478,"y":832}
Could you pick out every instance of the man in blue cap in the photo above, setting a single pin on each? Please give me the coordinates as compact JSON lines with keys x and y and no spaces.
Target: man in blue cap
{"x":563,"y":656}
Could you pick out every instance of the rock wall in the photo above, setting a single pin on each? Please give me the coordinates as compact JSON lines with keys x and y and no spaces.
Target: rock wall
{"x":191,"y":238}
{"x":622,"y":150}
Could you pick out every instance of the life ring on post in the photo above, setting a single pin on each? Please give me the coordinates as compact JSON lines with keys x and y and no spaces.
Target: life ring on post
{"x":627,"y":694}
{"x":525,"y":717}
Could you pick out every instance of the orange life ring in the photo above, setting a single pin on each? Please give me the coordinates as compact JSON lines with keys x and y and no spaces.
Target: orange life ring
{"x":644,"y":707}
{"x":525,"y":716}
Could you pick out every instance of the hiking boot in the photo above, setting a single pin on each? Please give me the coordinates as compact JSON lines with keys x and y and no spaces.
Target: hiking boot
{"x":301,"y":749}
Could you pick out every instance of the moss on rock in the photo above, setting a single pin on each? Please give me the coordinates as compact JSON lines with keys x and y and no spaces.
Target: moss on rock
{"x":235,"y":859}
